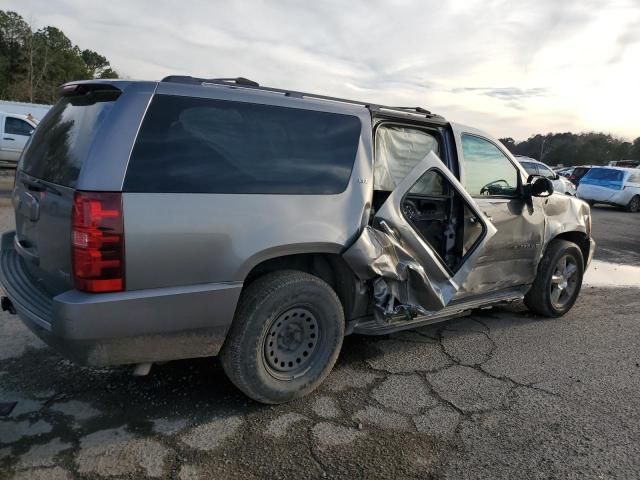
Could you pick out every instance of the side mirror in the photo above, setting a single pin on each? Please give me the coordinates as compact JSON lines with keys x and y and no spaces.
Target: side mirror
{"x":540,"y":187}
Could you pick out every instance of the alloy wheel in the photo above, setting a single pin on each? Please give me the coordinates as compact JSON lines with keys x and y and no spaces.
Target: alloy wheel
{"x":564,"y":281}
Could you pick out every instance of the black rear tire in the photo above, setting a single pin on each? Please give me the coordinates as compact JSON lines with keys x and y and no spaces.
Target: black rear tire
{"x":285,"y":337}
{"x":634,"y":204}
{"x":543,"y":297}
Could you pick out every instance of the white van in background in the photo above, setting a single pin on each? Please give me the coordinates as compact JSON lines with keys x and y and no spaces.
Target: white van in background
{"x":15,"y":131}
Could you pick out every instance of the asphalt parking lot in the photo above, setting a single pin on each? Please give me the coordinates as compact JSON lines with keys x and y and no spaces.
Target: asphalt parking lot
{"x":499,"y":394}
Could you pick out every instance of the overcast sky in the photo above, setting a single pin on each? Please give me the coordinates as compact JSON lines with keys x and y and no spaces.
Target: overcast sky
{"x":513,"y":68}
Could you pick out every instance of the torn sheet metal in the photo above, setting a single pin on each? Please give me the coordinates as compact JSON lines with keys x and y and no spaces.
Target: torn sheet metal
{"x":409,"y":274}
{"x":401,"y":284}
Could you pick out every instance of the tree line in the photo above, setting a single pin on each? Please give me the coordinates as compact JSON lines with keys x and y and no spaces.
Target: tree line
{"x":33,"y":64}
{"x":575,"y":148}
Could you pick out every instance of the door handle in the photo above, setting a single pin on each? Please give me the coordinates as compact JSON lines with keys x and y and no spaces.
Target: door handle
{"x":9,"y":138}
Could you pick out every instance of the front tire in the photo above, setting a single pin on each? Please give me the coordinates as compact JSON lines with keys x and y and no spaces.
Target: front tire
{"x":285,"y":337}
{"x":634,"y":204}
{"x":559,"y":280}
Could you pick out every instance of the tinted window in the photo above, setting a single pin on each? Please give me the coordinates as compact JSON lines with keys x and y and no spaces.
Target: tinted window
{"x":634,"y":178}
{"x":196,"y":145}
{"x":62,"y":140}
{"x":487,"y":171}
{"x":15,"y":126}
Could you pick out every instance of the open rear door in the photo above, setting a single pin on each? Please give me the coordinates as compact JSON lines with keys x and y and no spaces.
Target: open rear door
{"x":424,"y":241}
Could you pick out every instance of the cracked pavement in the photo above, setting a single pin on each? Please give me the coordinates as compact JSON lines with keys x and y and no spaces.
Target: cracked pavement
{"x":498,"y":394}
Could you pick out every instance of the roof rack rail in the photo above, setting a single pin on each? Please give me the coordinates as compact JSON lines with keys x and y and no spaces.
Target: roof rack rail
{"x":412,"y":109}
{"x":242,"y":82}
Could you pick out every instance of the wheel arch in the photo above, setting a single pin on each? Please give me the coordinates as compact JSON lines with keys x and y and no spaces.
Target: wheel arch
{"x":329,"y":266}
{"x":580,"y":238}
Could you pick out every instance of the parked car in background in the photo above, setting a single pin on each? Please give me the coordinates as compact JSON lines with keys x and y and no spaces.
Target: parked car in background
{"x":189,"y":217}
{"x":16,"y":130}
{"x":534,"y":167}
{"x":613,"y":186}
{"x":565,"y":171}
{"x":578,"y":173}
{"x":625,"y":163}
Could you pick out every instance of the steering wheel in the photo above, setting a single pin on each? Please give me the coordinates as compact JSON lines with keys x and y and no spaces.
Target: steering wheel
{"x":493,"y":188}
{"x":410,"y":209}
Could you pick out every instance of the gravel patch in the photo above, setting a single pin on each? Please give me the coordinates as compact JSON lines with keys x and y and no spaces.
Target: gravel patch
{"x":211,"y":435}
{"x":468,"y":389}
{"x":80,"y":411}
{"x":42,"y":455}
{"x":407,"y":357}
{"x":11,"y":432}
{"x":117,"y":452}
{"x":325,"y":407}
{"x":404,"y":394}
{"x":439,"y":421}
{"x":346,"y":377}
{"x":332,"y":435}
{"x":55,"y":473}
{"x":382,"y":419}
{"x":279,"y":426}
{"x":168,"y":426}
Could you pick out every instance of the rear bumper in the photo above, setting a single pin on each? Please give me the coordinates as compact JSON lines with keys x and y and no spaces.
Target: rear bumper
{"x":125,"y":327}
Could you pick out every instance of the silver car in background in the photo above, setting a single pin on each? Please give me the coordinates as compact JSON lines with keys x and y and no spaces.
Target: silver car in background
{"x":560,"y":183}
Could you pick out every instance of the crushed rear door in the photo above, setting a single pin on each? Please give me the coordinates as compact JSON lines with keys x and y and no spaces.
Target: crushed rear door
{"x":411,"y":256}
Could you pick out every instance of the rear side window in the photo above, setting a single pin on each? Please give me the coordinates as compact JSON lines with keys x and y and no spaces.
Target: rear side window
{"x":62,"y":140}
{"x":196,"y":145}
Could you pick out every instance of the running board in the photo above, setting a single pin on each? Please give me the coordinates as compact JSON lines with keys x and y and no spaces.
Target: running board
{"x":370,"y":326}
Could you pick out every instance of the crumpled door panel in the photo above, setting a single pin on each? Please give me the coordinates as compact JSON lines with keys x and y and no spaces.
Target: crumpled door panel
{"x":401,"y":283}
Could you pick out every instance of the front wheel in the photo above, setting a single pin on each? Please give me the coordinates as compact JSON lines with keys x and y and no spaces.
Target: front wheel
{"x":285,"y":337}
{"x":634,"y":204}
{"x":559,"y":280}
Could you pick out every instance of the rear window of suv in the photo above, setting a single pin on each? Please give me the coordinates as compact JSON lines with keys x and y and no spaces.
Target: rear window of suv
{"x":60,"y":144}
{"x":196,"y":145}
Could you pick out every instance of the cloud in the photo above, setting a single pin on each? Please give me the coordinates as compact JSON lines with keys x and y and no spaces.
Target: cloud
{"x":539,"y":62}
{"x":630,"y":36}
{"x":505,"y":93}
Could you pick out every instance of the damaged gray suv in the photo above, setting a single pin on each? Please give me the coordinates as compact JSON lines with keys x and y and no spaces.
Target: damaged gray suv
{"x":200,"y":217}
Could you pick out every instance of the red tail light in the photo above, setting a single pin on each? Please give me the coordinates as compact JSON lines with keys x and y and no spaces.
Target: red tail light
{"x":97,"y":242}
